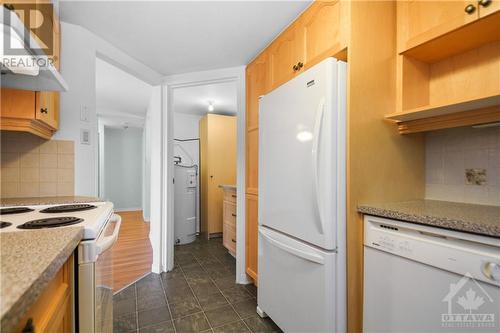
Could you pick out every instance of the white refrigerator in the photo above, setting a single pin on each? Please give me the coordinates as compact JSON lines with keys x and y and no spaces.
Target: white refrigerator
{"x":302,"y":201}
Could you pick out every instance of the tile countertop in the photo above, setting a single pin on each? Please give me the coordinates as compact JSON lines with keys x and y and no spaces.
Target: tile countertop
{"x":29,"y":261}
{"x":6,"y":202}
{"x":471,"y":218}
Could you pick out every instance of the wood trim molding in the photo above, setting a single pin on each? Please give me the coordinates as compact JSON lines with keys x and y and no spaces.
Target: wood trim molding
{"x":252,"y":191}
{"x":466,"y":118}
{"x":32,"y":126}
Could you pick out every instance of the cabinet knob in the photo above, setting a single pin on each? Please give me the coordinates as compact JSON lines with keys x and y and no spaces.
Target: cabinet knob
{"x":233,"y":240}
{"x":234,"y":215}
{"x":29,"y":327}
{"x":44,"y":110}
{"x":484,"y":3}
{"x":300,"y":65}
{"x":295,"y":68}
{"x":469,"y":9}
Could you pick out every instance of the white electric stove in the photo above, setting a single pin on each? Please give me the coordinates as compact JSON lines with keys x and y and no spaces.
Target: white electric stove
{"x":93,"y":278}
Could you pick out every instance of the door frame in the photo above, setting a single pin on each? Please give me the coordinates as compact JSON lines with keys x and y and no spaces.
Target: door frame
{"x":170,"y":84}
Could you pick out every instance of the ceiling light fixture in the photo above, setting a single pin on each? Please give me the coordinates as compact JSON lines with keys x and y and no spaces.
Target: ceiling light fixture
{"x":211,"y":106}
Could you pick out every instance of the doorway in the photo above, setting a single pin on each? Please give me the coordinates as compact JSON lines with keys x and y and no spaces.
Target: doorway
{"x":208,"y":245}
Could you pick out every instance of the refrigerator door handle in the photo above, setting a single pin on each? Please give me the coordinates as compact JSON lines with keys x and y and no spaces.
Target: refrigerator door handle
{"x":318,"y":124}
{"x":310,"y":256}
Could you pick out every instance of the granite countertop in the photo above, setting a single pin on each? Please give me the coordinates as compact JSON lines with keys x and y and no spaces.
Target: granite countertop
{"x":471,"y":218}
{"x":6,"y":202}
{"x":29,"y":261}
{"x":228,"y":187}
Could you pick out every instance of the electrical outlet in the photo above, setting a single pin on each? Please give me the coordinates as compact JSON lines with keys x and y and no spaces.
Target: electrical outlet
{"x":475,"y":176}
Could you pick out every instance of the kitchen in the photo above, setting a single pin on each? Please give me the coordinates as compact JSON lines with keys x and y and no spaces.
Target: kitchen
{"x":403,"y":118}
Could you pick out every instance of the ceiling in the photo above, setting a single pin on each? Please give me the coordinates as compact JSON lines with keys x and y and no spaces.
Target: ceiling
{"x":175,"y":37}
{"x":195,"y":100}
{"x":119,"y":95}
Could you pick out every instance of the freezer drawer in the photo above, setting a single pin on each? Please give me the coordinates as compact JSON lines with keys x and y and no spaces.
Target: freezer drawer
{"x":297,"y":285}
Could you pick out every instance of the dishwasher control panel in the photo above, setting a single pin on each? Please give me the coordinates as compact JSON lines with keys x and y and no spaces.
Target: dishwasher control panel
{"x":435,"y":247}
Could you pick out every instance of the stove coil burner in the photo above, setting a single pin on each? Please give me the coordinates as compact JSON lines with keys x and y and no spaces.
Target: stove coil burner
{"x":67,"y":208}
{"x":51,"y":222}
{"x":4,"y":224}
{"x":15,"y":210}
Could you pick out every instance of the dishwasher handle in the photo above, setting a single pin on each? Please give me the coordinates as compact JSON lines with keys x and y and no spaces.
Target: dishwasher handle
{"x":106,"y":242}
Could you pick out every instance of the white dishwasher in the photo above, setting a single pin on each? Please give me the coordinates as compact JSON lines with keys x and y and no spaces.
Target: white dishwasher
{"x":427,"y":279}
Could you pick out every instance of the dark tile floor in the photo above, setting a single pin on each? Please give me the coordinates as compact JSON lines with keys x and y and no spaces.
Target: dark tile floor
{"x":199,"y":295}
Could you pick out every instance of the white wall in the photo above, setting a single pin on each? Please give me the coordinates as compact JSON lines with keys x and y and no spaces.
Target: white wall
{"x":450,"y":152}
{"x":123,"y":167}
{"x":187,"y":127}
{"x":77,"y":67}
{"x":79,"y":49}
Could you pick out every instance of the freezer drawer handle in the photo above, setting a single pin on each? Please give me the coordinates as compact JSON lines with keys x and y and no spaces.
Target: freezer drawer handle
{"x":299,"y":253}
{"x":104,"y":244}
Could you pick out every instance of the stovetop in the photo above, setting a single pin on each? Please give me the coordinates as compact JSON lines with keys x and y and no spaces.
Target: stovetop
{"x":92,"y":216}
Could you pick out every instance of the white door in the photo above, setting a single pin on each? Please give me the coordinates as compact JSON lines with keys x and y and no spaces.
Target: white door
{"x":302,"y":155}
{"x":297,"y":285}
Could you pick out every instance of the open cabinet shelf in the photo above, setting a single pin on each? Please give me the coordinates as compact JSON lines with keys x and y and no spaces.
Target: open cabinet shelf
{"x":429,"y":111}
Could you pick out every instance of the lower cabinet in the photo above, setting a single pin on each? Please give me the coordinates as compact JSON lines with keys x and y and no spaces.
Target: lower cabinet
{"x":252,"y":230}
{"x":53,"y":311}
{"x":229,"y":221}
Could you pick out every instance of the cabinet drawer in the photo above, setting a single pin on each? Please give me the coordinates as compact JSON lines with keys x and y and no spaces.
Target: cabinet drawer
{"x":230,"y":213}
{"x":229,"y":237}
{"x":230,"y":196}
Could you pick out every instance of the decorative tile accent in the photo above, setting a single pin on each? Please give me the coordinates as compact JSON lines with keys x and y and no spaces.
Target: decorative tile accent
{"x":32,"y":167}
{"x":463,"y":165}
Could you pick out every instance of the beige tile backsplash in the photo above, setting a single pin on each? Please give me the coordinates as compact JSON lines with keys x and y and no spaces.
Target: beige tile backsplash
{"x":33,"y":167}
{"x":450,"y":152}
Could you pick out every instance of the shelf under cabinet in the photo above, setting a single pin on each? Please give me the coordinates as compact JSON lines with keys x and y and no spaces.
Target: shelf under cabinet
{"x":445,"y":109}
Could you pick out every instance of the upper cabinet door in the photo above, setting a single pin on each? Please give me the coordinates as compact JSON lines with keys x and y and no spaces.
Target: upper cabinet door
{"x":487,"y":7}
{"x":324,"y":31}
{"x":47,"y":108}
{"x":284,"y":56}
{"x":421,"y":21}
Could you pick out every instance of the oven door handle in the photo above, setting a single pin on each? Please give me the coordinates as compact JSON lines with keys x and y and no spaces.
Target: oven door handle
{"x":106,"y":242}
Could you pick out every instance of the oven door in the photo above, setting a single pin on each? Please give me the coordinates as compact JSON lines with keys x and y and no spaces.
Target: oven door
{"x":95,"y":280}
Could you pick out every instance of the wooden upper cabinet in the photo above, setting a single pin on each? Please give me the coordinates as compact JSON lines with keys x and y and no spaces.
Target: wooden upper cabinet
{"x":324,"y":30}
{"x":421,"y":21}
{"x":257,"y":85}
{"x":487,"y":7}
{"x":47,"y":108}
{"x":285,"y":53}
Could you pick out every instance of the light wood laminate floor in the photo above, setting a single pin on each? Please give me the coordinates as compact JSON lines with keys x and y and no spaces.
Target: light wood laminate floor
{"x":132,"y":255}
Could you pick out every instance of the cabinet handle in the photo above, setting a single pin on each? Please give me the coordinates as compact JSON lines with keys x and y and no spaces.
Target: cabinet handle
{"x":484,"y":3}
{"x":29,"y":327}
{"x":469,"y":9}
{"x":44,"y":110}
{"x":300,"y":65}
{"x":233,"y":195}
{"x":234,"y":215}
{"x":233,"y":240}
